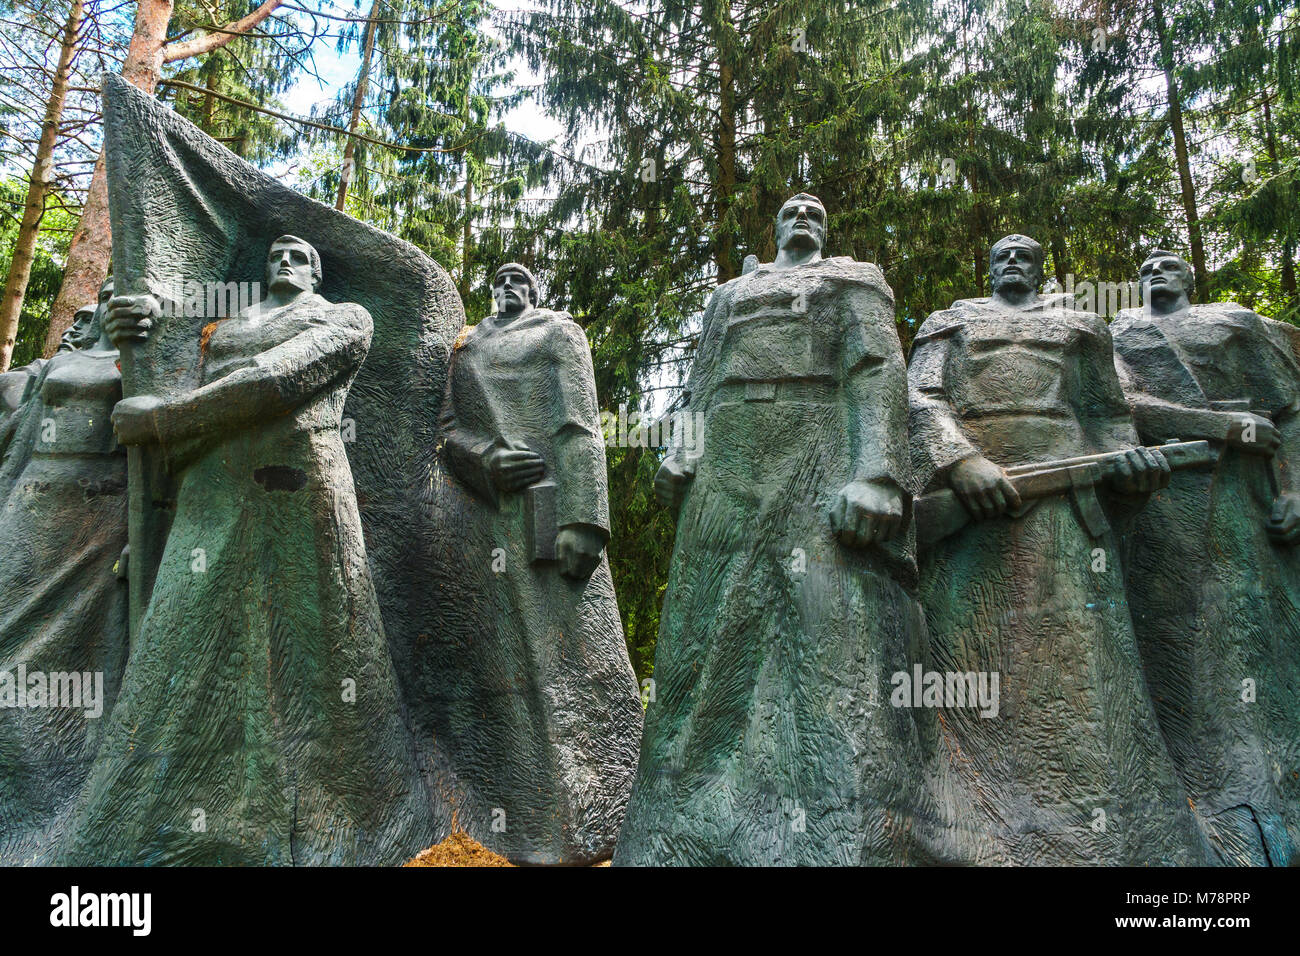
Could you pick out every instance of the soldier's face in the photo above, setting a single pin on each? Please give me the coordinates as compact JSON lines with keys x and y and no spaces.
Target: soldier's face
{"x":1016,"y":266}
{"x":800,"y":224}
{"x":101,"y":307}
{"x":510,"y":292}
{"x":1164,"y":274}
{"x":288,"y":267}
{"x":79,"y":331}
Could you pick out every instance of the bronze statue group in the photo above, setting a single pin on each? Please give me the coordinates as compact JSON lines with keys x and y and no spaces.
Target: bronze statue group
{"x":1093,"y":525}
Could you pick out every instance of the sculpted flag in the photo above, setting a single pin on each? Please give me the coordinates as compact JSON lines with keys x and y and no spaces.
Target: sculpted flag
{"x":191,"y":221}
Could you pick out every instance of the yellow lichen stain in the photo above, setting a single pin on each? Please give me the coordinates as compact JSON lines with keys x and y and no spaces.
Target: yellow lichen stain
{"x":206,"y":334}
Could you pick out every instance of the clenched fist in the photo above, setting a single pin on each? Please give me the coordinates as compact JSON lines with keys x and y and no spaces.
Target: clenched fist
{"x":1284,"y":523}
{"x":983,"y":488}
{"x":670,"y":483}
{"x":1254,"y":434}
{"x":130,"y":318}
{"x":135,"y":420}
{"x":1140,"y":471}
{"x":865,"y":511}
{"x":578,"y":548}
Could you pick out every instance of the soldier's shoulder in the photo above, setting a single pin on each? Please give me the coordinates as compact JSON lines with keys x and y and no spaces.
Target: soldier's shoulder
{"x":1129,"y":317}
{"x":561,"y":327}
{"x":1128,"y":322}
{"x":1228,"y":307}
{"x":942,"y":323}
{"x":1282,"y":331}
{"x":352,"y":314}
{"x":858,"y":272}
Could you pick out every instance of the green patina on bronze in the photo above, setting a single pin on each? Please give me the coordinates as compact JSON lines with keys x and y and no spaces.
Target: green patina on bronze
{"x":790,"y":601}
{"x":260,"y":719}
{"x":1072,"y":770}
{"x":309,"y":679}
{"x":1214,"y":577}
{"x":541,"y":696}
{"x":63,"y":614}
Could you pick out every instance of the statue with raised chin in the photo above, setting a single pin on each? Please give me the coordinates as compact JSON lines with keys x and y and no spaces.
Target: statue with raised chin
{"x":1214,"y":572}
{"x":14,"y":383}
{"x":259,"y":718}
{"x":790,"y":599}
{"x":63,"y":620}
{"x":540,"y":704}
{"x":1030,"y":588}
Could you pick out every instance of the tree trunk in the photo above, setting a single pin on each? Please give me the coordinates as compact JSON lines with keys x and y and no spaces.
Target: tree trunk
{"x":91,"y":249}
{"x":210,"y":101}
{"x":20,"y":268}
{"x":92,"y":245}
{"x":467,"y":236}
{"x":358,"y":99}
{"x":1194,"y":240}
{"x":1288,"y":245}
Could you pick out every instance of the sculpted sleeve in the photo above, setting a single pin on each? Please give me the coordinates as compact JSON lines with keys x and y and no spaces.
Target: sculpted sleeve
{"x":1286,"y":461}
{"x":464,"y":450}
{"x":582,"y":495}
{"x":330,"y":348}
{"x":937,"y":439}
{"x":1165,"y":398}
{"x":874,"y":385}
{"x":1105,"y":415}
{"x":19,"y":430}
{"x":699,"y":383}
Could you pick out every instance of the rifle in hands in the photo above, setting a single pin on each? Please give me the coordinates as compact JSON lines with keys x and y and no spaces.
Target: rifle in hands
{"x":941,"y":513}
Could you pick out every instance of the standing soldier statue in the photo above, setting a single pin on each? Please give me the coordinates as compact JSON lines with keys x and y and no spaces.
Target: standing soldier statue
{"x":1214,"y":573}
{"x":1029,"y":586}
{"x":790,"y":600}
{"x":543,"y":704}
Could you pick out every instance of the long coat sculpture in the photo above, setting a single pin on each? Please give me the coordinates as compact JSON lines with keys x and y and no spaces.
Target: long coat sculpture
{"x":548,"y":705}
{"x":63,"y":615}
{"x":1072,"y":769}
{"x":790,"y":601}
{"x":1214,"y":577}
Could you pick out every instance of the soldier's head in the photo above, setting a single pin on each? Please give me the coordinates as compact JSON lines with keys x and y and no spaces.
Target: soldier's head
{"x":801,"y":223}
{"x":1015,"y":264}
{"x":292,"y":264}
{"x":95,"y":330}
{"x":1167,"y":280}
{"x":514,"y":289}
{"x":77,"y":335}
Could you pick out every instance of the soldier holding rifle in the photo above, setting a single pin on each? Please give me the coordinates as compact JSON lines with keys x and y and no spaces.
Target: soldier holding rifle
{"x":1214,"y":572}
{"x":1017,"y":414}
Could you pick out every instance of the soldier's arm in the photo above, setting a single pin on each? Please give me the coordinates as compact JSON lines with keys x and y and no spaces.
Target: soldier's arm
{"x":331,"y":347}
{"x":1104,"y":411}
{"x":937,"y":439}
{"x":678,"y":466}
{"x":582,"y":496}
{"x":465,"y":452}
{"x":699,"y":382}
{"x":1286,"y":460}
{"x":875,"y":391}
{"x":1108,"y":423}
